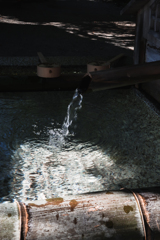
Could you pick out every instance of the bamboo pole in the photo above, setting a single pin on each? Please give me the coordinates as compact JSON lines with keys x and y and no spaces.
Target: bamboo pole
{"x":108,"y":215}
{"x":10,"y":221}
{"x":150,"y":206}
{"x":120,"y":77}
{"x":122,"y":215}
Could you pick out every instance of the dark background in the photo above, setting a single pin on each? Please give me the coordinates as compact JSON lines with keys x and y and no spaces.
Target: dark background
{"x":65,"y":28}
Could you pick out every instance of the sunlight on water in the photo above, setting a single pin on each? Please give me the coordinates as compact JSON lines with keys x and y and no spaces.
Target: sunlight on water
{"x":103,"y":145}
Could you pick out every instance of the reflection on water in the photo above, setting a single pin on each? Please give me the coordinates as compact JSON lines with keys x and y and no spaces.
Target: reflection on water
{"x":114,"y":142}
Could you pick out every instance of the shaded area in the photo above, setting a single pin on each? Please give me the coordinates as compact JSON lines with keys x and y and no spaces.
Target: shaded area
{"x":65,"y":28}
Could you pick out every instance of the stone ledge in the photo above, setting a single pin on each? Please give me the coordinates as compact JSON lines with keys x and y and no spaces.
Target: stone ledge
{"x":34,"y":61}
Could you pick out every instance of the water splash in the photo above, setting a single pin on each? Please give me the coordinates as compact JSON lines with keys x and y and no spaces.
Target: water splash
{"x":57,"y":136}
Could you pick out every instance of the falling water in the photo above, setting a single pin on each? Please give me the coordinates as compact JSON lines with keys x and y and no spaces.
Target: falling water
{"x":58,"y":136}
{"x":75,"y":105}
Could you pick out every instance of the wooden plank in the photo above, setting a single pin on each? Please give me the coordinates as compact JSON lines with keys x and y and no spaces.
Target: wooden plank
{"x":134,"y":6}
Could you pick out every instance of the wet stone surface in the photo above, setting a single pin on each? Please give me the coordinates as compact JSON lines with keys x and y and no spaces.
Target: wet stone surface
{"x":113,"y":143}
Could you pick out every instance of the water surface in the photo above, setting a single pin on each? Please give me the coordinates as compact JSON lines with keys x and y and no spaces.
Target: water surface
{"x":114,"y":142}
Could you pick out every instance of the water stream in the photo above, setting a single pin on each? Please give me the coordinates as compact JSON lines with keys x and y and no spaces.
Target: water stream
{"x":72,"y":109}
{"x":57,"y":138}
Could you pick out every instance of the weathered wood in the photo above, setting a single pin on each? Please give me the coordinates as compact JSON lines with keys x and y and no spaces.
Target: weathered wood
{"x":10,"y":221}
{"x":120,"y":77}
{"x":107,"y":215}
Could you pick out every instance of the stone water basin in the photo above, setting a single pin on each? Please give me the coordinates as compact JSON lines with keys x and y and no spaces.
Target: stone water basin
{"x":114,"y":143}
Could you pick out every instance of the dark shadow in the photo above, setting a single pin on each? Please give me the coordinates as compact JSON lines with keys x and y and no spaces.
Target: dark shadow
{"x":65,"y":28}
{"x":65,"y":11}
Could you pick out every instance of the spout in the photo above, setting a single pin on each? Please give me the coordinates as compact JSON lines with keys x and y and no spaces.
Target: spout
{"x":84,"y":84}
{"x":120,"y":77}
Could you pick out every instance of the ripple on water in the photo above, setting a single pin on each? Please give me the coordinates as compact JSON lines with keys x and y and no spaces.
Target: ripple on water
{"x":108,"y":146}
